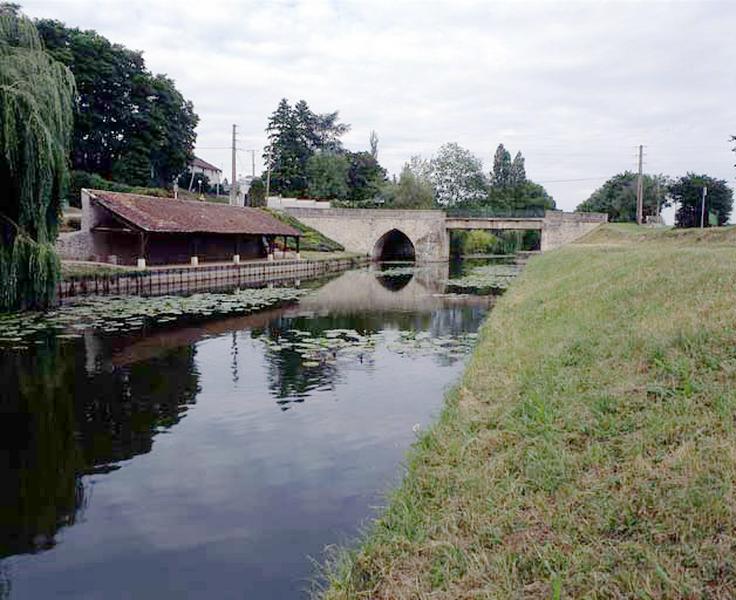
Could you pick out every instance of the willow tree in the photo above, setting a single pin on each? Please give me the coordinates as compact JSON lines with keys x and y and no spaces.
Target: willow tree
{"x":37,"y":98}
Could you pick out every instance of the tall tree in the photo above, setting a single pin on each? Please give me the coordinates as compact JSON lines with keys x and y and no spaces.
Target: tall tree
{"x":36,"y":112}
{"x":517,"y":175}
{"x":295,"y":134}
{"x":131,"y":125}
{"x":286,"y":154}
{"x":501,"y":175}
{"x":617,"y":196}
{"x":413,"y":190}
{"x":365,"y":176}
{"x":327,"y":174}
{"x":687,"y":192}
{"x":373,"y":140}
{"x":457,"y":176}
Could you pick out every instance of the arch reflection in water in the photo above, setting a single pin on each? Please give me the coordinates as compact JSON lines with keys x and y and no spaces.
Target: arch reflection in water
{"x":394,"y":245}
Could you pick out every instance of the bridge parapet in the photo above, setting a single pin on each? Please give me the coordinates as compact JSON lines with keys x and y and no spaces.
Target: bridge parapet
{"x":360,"y":229}
{"x":561,"y":228}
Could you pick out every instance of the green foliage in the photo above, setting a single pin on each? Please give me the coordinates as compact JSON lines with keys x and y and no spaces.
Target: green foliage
{"x":257,"y":193}
{"x":93,"y":181}
{"x":414,"y":190}
{"x":502,"y":174}
{"x":464,"y":243}
{"x":365,"y":177}
{"x":526,"y":195}
{"x":457,"y":176}
{"x":687,"y":192}
{"x":617,"y":197}
{"x":36,"y":112}
{"x":190,"y":181}
{"x":312,"y":240}
{"x":132,"y":126}
{"x":479,"y":242}
{"x":327,"y":174}
{"x":295,"y":134}
{"x":518,"y":170}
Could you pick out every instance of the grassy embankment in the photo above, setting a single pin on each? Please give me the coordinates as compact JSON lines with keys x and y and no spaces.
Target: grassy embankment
{"x":590,"y":449}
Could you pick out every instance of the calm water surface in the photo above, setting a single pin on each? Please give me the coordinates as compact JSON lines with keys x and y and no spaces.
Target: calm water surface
{"x":212,"y":461}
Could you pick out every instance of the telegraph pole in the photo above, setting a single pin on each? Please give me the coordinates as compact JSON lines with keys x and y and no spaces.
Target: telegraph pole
{"x":253,"y":163}
{"x":702,"y":207}
{"x":268,"y":175}
{"x":233,"y":183}
{"x":640,"y":189}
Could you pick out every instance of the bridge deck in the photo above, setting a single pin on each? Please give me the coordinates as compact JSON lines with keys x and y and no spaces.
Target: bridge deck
{"x":497,"y":223}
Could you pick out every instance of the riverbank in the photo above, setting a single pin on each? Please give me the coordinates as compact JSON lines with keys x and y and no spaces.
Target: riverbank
{"x":589,"y":449}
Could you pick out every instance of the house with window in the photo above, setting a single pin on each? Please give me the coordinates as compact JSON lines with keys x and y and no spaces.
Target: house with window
{"x":210,"y":171}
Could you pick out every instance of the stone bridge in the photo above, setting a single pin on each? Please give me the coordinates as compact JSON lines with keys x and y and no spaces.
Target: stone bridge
{"x":385,"y":234}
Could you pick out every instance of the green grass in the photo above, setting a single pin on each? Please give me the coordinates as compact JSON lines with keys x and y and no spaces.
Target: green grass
{"x":589,"y":450}
{"x":85,"y":269}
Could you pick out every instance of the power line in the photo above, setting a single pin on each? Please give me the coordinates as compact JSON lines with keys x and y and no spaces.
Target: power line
{"x":604,"y":177}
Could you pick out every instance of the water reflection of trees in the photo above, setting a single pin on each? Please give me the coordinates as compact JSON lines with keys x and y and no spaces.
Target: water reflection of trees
{"x":289,"y":380}
{"x":58,"y":423}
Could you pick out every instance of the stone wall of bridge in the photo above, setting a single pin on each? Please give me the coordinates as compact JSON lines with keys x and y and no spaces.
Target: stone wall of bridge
{"x":359,"y":230}
{"x":561,"y":228}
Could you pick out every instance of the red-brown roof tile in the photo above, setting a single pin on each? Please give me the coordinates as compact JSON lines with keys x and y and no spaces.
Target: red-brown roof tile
{"x":166,"y":215}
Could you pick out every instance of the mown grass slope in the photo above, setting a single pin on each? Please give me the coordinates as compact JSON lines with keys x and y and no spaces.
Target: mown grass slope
{"x":589,"y":450}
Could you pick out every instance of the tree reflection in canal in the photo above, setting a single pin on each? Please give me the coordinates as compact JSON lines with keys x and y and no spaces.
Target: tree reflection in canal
{"x":59,"y":423}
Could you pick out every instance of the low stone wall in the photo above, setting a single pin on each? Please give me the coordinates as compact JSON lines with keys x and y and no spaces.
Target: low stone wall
{"x":76,"y":245}
{"x":174,"y":280}
{"x":561,"y":228}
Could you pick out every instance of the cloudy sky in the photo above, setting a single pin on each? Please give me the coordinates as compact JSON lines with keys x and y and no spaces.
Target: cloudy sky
{"x":576,"y":86}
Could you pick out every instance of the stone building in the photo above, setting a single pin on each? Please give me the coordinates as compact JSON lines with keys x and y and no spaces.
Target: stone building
{"x":124,"y":228}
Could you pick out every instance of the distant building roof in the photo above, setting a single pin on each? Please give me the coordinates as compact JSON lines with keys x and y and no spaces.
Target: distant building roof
{"x":203,"y":164}
{"x":166,"y":215}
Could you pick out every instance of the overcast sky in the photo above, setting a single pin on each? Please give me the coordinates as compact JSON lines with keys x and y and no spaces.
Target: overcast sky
{"x":576,"y":86}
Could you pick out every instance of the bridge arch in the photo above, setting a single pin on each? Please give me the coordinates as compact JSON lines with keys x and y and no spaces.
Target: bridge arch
{"x":394,"y":245}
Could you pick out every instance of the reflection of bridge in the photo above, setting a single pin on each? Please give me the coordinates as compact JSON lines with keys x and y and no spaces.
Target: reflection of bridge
{"x":397,"y":234}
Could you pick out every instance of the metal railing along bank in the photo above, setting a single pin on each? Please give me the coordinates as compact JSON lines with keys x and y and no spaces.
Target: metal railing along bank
{"x":185,"y":279}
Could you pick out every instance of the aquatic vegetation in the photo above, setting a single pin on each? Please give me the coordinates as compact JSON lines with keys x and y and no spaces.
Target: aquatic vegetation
{"x":493,"y":276}
{"x":123,"y":314}
{"x":333,"y":345}
{"x":397,"y":271}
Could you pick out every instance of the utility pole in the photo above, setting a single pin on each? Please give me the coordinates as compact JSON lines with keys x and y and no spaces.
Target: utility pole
{"x":702,"y":207}
{"x":268,"y":175}
{"x":640,"y":189}
{"x":253,"y":163}
{"x":233,"y":182}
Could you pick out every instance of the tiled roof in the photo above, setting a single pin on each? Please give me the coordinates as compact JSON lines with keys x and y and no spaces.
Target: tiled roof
{"x":203,"y":164}
{"x":166,"y":215}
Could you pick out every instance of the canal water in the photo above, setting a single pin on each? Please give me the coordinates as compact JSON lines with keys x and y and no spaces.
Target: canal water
{"x":218,"y":458}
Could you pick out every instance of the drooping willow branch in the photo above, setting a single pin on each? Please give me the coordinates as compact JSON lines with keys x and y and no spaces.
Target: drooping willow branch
{"x":37,"y":97}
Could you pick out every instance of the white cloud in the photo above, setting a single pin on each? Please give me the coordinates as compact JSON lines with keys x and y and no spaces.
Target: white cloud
{"x":576,"y":85}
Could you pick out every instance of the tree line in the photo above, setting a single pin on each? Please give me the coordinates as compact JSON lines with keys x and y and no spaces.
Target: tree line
{"x":617,"y":198}
{"x":305,"y":157}
{"x":130,"y":126}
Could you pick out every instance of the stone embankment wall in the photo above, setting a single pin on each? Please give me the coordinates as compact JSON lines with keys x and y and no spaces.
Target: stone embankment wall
{"x":187,"y":279}
{"x":560,"y":228}
{"x":359,"y":230}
